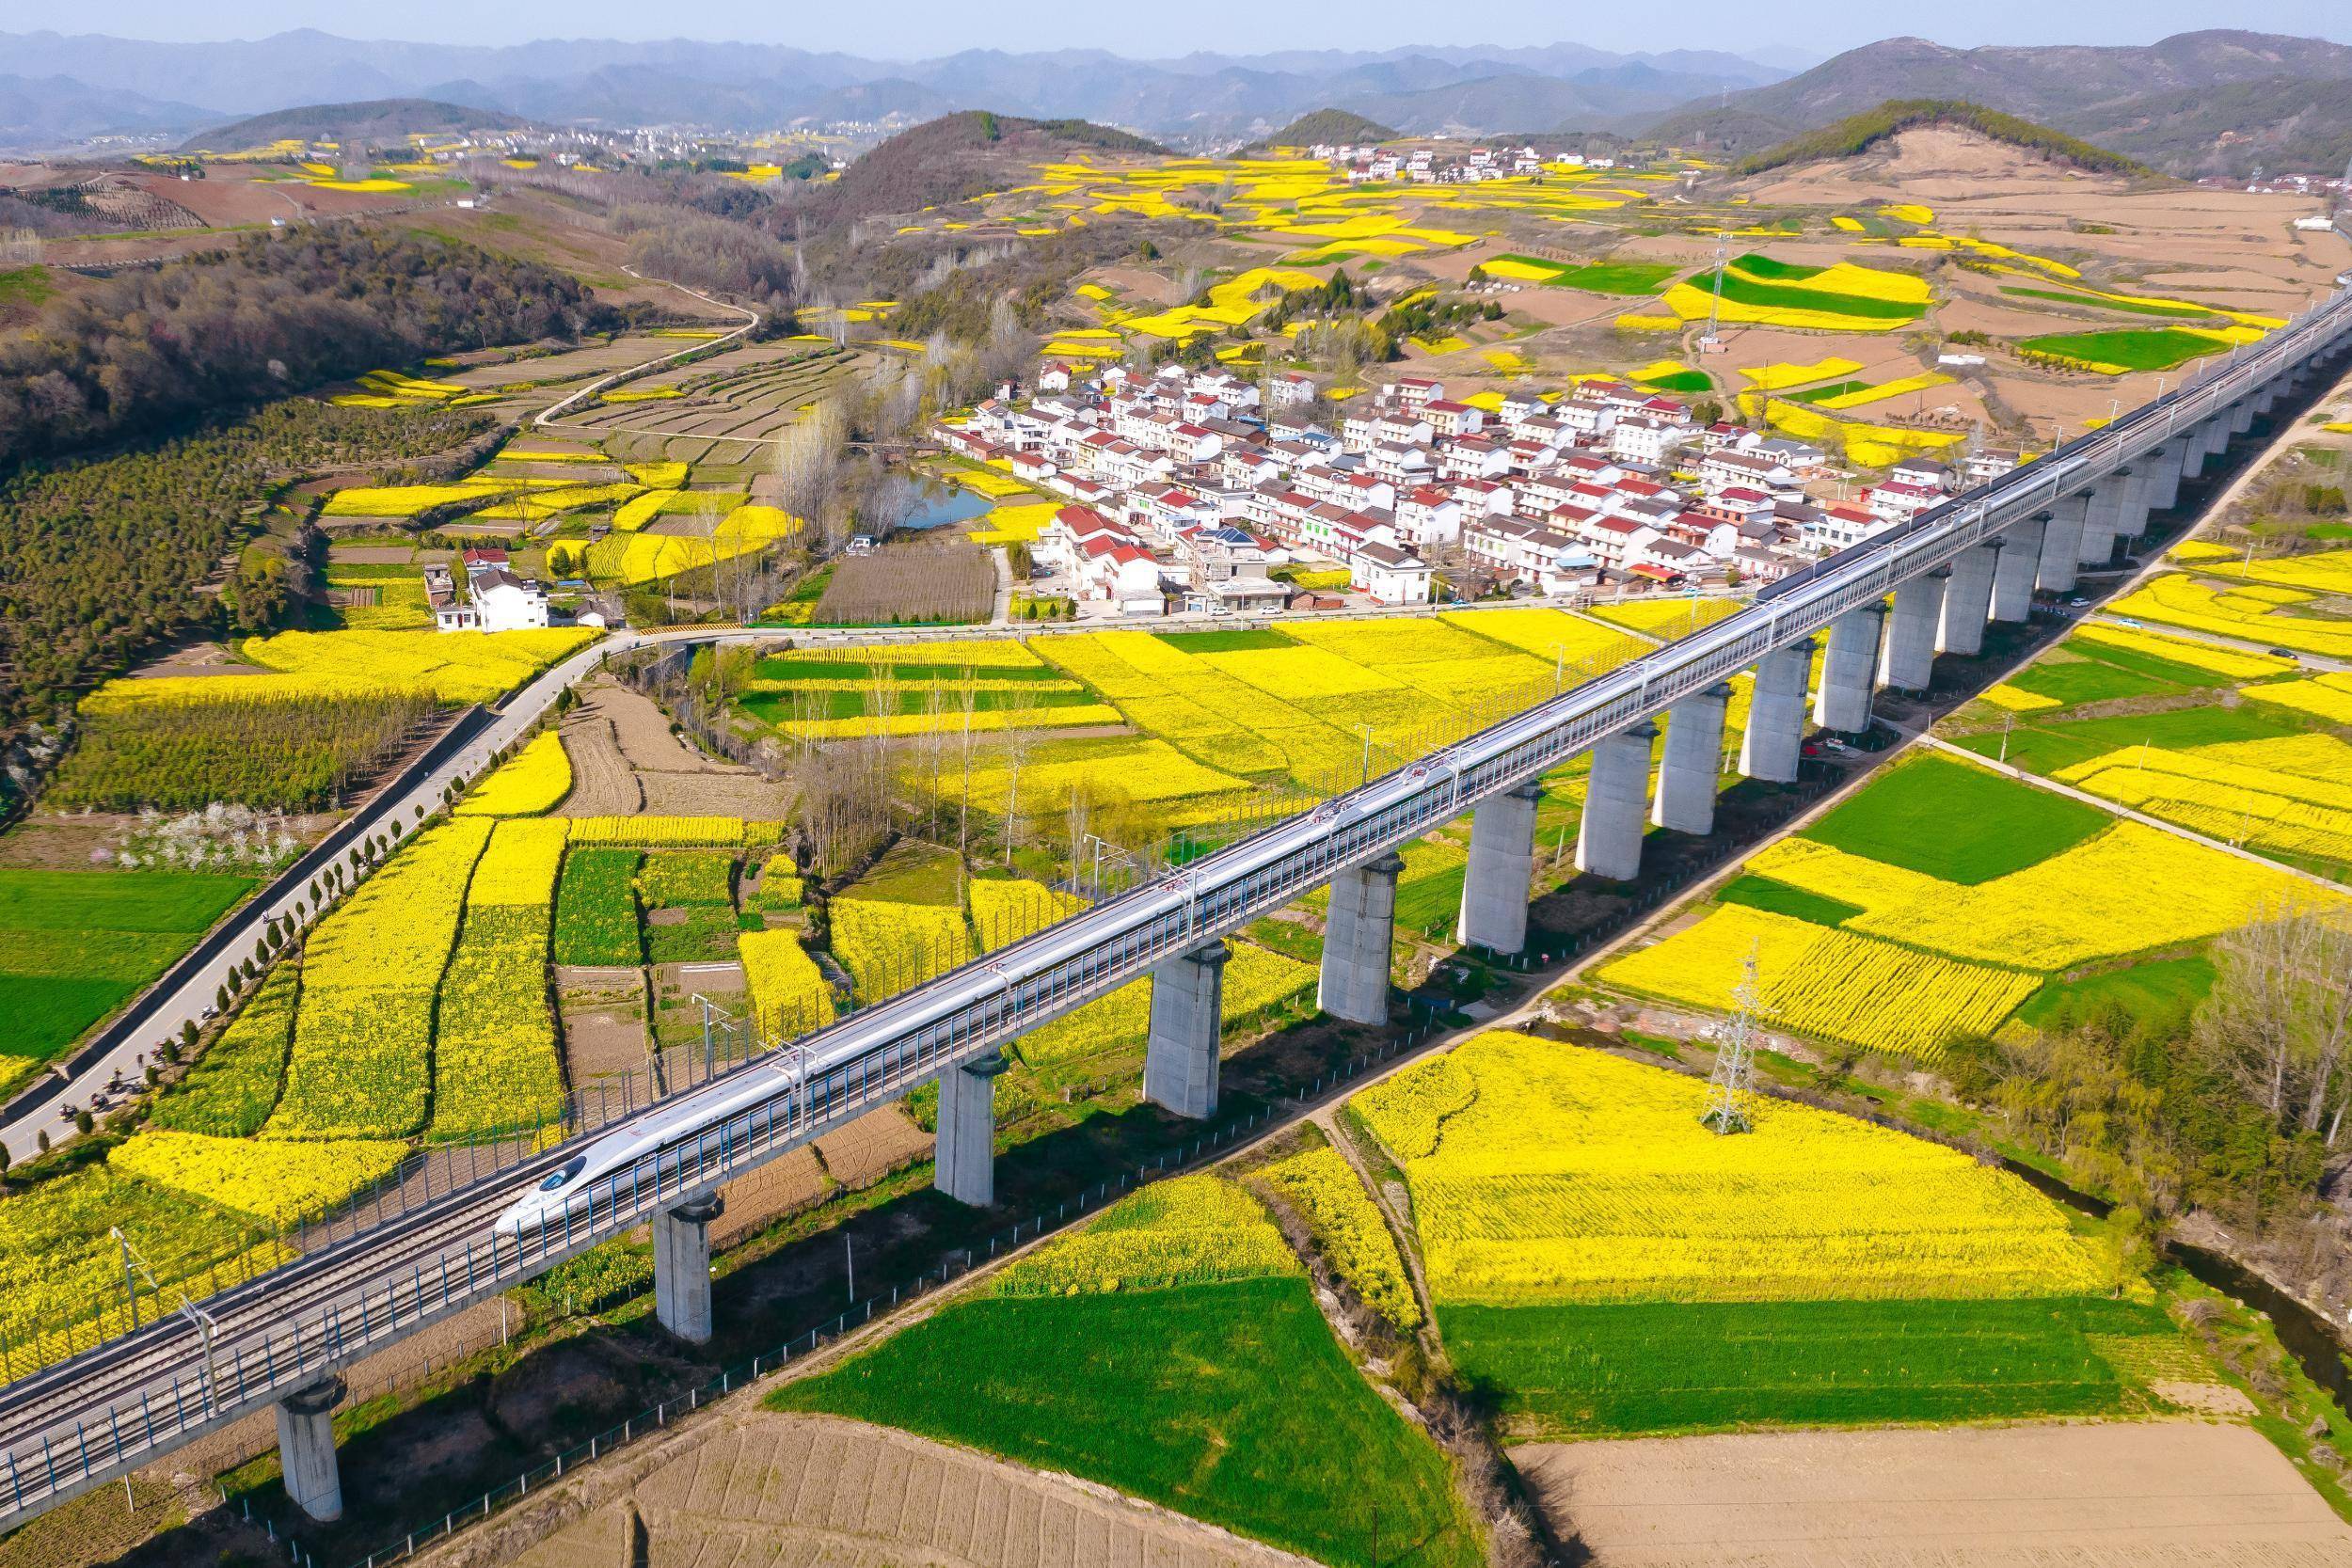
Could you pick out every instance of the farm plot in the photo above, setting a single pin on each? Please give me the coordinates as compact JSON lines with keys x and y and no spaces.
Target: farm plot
{"x":932,"y":689}
{"x":1172,"y":1350}
{"x":76,"y":944}
{"x":2103,"y":1495}
{"x":1599,"y":278}
{"x":2237,"y":753}
{"x":2177,"y":599}
{"x":446,"y":667}
{"x":740,"y":398}
{"x":363,"y":1049}
{"x":1608,"y":1262}
{"x":911,"y":582}
{"x":1843,"y":297}
{"x":2120,"y":351}
{"x":1867,"y":930}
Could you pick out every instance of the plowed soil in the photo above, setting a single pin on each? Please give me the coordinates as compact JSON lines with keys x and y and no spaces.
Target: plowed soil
{"x":2167,"y":1493}
{"x":810,"y":1489}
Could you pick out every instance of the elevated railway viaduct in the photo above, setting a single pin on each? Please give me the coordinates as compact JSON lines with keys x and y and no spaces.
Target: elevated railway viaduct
{"x":1883,"y":611}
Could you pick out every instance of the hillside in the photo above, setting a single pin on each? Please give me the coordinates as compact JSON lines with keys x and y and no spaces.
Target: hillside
{"x":1857,"y":134}
{"x":2156,"y":101}
{"x":957,"y":157}
{"x":39,"y":113}
{"x":1328,"y":125}
{"x":380,"y":120}
{"x":2278,"y":122}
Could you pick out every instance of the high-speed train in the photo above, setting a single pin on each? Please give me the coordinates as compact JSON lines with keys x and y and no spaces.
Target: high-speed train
{"x":1144,"y":925}
{"x":889,"y":1048}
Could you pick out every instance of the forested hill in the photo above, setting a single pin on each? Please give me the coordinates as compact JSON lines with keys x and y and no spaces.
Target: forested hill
{"x":1857,"y":134}
{"x":955,"y":158}
{"x":275,"y":315}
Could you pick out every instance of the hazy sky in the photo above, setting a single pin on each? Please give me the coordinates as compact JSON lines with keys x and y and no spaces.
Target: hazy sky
{"x":906,"y":29}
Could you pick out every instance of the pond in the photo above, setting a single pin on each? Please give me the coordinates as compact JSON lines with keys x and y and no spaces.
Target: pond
{"x":938,"y":505}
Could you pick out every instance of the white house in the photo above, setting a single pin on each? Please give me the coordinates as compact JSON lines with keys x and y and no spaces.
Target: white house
{"x":1390,"y":575}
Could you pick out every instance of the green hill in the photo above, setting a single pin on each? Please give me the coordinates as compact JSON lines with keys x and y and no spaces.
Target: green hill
{"x":1859,"y":133}
{"x":1337,"y":126}
{"x":380,"y":120}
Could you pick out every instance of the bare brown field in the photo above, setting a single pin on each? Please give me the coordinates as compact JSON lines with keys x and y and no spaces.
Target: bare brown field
{"x":222,"y":198}
{"x":603,"y":1013}
{"x":864,"y":1151}
{"x":603,"y":783}
{"x":2122,"y":1494}
{"x":778,"y":1188}
{"x":911,"y":581}
{"x":751,"y":1488}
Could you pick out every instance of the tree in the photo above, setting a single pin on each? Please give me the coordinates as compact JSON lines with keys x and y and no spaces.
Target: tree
{"x":2281,"y":1014}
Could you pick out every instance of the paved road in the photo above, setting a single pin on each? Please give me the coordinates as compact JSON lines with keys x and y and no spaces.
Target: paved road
{"x":160,"y":1017}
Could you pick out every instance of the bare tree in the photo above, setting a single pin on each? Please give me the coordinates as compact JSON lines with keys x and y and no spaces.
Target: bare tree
{"x":2281,"y":1014}
{"x":1018,"y":740}
{"x":810,"y":472}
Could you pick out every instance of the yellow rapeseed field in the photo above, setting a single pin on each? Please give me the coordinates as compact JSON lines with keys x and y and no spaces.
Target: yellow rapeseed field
{"x":2129,"y":890}
{"x":532,"y":781}
{"x":1828,"y":983}
{"x":521,"y":863}
{"x":276,"y":1181}
{"x":790,"y":996}
{"x":1568,"y":1175}
{"x":891,"y":948}
{"x":2289,"y":795}
{"x":2179,"y":601}
{"x":1186,"y":1230}
{"x":1348,"y":1228}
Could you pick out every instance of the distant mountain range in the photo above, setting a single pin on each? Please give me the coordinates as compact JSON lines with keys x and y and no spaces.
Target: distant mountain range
{"x":2215,"y":101}
{"x":1202,"y":97}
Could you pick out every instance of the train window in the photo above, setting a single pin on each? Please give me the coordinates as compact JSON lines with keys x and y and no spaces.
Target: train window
{"x":570,"y":1168}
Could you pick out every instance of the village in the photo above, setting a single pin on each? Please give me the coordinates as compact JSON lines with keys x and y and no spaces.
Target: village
{"x":1197,"y":487}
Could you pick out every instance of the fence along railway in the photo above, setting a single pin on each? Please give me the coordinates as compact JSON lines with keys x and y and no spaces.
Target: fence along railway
{"x":1887,"y":607}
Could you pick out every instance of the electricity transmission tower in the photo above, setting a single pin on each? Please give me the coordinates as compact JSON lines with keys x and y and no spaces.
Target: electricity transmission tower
{"x":1715,"y":306}
{"x":1730,"y":1087}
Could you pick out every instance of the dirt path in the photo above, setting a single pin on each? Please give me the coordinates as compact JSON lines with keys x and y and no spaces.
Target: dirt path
{"x":756,"y":1487}
{"x":2119,"y":1494}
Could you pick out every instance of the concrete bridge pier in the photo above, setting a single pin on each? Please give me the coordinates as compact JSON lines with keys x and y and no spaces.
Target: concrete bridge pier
{"x":2164,"y":476}
{"x":2014,"y":573}
{"x":2102,"y":519}
{"x":2267,"y":396}
{"x":1847,"y":667}
{"x":2241,"y":415}
{"x":964,"y":1151}
{"x":1608,"y":840}
{"x":1358,"y":937}
{"x":681,"y":1267}
{"x":1501,"y":877}
{"x":1967,"y":600}
{"x":306,"y":1448}
{"x":1773,"y":740}
{"x":2192,"y":450}
{"x":1693,"y":762}
{"x":2216,"y":432}
{"x":1180,"y":1059}
{"x":2061,"y":545}
{"x":1907,"y":660}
